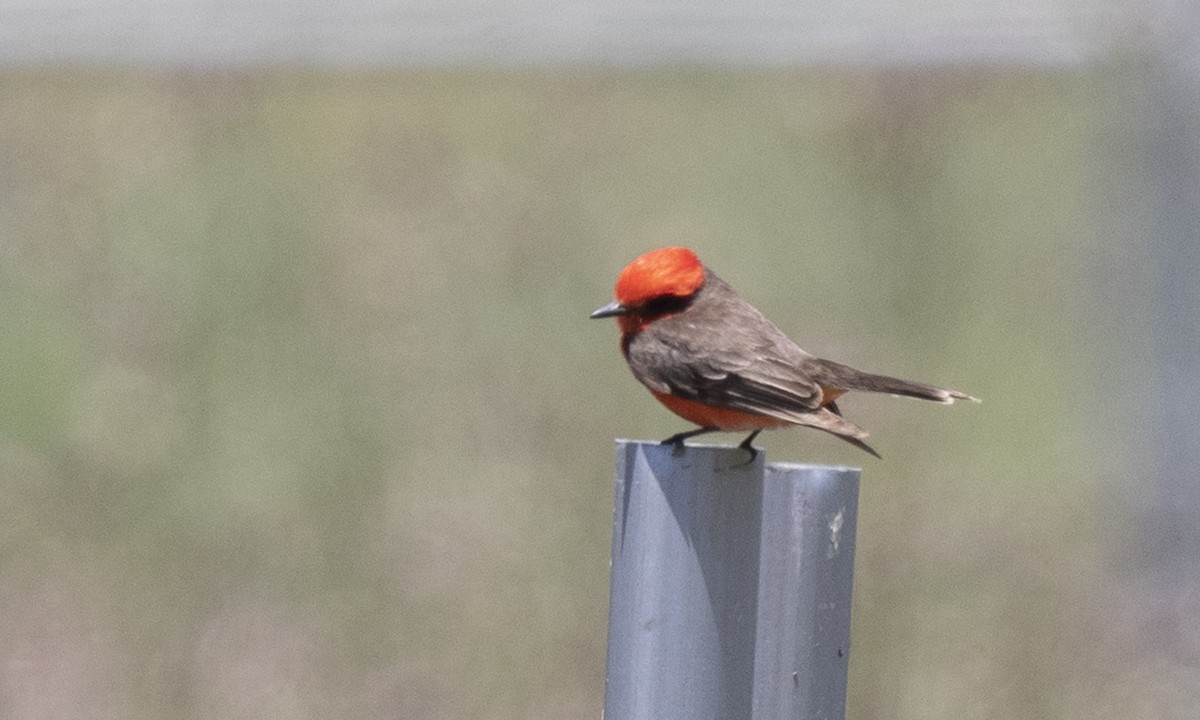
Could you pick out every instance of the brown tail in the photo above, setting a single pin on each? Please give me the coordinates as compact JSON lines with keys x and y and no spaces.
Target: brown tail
{"x":831,"y":374}
{"x":861,"y":445}
{"x":834,"y":424}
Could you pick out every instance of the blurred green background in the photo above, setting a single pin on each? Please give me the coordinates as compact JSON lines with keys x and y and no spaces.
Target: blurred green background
{"x":302,"y":415}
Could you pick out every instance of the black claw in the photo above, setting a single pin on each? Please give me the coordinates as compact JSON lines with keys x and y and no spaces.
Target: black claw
{"x":676,"y":444}
{"x":746,"y":445}
{"x":678,"y":438}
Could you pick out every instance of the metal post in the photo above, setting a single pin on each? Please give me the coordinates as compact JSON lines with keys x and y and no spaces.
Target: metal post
{"x":731,"y":586}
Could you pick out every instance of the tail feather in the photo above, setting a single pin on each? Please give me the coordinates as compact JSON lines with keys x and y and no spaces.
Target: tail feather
{"x":824,"y":419}
{"x":861,"y":445}
{"x":833,"y":374}
{"x":908,"y":388}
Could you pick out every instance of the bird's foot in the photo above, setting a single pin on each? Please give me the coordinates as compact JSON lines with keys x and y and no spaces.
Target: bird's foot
{"x":678,"y":438}
{"x":746,"y":445}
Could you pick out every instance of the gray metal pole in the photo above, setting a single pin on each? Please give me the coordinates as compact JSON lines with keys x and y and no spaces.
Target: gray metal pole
{"x":731,"y":583}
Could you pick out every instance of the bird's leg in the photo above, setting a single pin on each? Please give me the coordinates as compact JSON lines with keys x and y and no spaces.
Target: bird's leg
{"x":678,"y":438}
{"x":745,"y":445}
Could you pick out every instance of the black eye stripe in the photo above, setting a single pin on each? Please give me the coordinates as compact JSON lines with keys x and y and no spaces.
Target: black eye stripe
{"x":665,"y":304}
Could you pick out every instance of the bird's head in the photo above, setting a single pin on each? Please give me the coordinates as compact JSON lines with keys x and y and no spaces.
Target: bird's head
{"x":661,"y":282}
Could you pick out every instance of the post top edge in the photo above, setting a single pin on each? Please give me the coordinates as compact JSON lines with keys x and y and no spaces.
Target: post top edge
{"x":709,"y":447}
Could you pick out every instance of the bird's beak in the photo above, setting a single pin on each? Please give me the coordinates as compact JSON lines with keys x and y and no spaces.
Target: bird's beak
{"x":609,"y":310}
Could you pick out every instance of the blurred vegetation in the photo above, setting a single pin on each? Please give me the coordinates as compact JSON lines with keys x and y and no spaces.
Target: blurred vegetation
{"x":302,"y":415}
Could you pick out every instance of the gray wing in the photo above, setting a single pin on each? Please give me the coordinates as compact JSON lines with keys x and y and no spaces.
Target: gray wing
{"x":724,"y":352}
{"x":754,"y":381}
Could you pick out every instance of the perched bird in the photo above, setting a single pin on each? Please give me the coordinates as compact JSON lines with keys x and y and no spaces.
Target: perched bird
{"x":713,"y":359}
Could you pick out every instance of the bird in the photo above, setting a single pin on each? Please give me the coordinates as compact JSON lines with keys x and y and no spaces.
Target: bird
{"x":713,"y":359}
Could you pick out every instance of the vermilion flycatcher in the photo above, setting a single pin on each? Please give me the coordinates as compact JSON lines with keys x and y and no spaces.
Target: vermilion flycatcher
{"x":716,"y":361}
